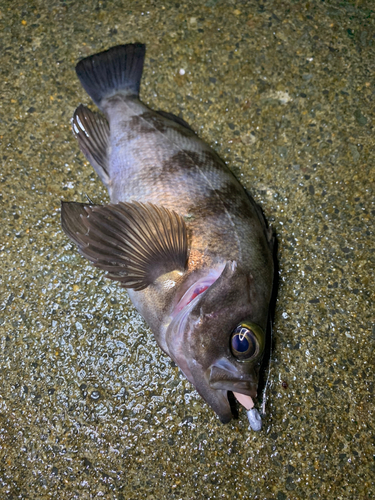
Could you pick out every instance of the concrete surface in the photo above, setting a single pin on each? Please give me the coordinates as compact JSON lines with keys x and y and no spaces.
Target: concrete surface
{"x":90,"y":407}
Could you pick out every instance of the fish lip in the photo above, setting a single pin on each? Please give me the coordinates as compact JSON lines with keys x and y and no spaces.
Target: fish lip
{"x":223,"y":375}
{"x":224,"y":412}
{"x":233,"y":387}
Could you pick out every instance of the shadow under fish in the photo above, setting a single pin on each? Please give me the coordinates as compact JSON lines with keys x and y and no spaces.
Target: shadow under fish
{"x":181,"y":234}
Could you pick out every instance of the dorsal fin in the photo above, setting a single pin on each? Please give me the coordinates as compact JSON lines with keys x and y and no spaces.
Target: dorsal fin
{"x":268,"y":231}
{"x":134,"y":242}
{"x":92,"y":133}
{"x":175,"y":118}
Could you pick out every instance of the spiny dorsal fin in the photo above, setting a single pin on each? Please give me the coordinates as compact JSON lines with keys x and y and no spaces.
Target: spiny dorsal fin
{"x":134,"y":242}
{"x":268,"y":231}
{"x":92,"y":133}
{"x":175,"y":118}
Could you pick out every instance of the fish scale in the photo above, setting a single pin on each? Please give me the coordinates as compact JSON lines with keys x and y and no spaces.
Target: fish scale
{"x":201,"y":184}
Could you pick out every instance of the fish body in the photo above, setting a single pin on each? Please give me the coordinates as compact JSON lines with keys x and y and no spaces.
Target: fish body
{"x":181,"y":234}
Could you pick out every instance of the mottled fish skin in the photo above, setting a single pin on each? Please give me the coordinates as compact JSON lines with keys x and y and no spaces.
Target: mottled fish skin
{"x":154,"y":159}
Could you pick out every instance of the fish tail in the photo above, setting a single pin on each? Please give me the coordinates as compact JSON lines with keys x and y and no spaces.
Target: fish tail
{"x":117,"y":70}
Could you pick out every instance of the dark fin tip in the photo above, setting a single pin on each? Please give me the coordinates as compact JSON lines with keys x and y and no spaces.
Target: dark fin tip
{"x":116,"y":69}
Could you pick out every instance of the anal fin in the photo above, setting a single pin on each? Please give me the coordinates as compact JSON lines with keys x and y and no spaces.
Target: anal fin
{"x":134,"y":242}
{"x":92,"y":133}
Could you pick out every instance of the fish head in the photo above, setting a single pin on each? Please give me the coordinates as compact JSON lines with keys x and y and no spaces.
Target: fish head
{"x":218,"y":338}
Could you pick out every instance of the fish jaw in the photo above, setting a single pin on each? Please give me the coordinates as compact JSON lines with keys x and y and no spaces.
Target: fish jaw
{"x":215,"y":382}
{"x":224,"y":375}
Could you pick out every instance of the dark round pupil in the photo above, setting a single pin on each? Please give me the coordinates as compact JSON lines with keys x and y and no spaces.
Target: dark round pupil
{"x":240,"y":343}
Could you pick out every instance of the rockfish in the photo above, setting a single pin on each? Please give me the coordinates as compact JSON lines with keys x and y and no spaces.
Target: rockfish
{"x":180,"y":233}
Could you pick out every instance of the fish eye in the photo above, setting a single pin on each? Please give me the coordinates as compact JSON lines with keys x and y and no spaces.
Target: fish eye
{"x":246,"y":341}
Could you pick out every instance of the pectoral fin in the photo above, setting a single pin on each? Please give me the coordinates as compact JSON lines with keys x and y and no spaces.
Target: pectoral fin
{"x":134,"y":242}
{"x":72,"y":222}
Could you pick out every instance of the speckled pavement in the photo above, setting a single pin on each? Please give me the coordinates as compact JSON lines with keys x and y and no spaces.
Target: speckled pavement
{"x":89,"y":406}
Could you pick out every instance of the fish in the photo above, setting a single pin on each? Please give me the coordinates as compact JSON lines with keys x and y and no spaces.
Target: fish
{"x":181,"y":234}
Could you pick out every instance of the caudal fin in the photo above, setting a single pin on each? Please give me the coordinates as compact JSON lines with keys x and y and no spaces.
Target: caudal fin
{"x":118,"y":69}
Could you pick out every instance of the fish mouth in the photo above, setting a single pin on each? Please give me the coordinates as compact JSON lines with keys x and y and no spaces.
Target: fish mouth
{"x":219,"y":379}
{"x":223,"y":377}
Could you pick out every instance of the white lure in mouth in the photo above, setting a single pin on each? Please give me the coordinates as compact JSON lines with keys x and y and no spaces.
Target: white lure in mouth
{"x":247,"y":402}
